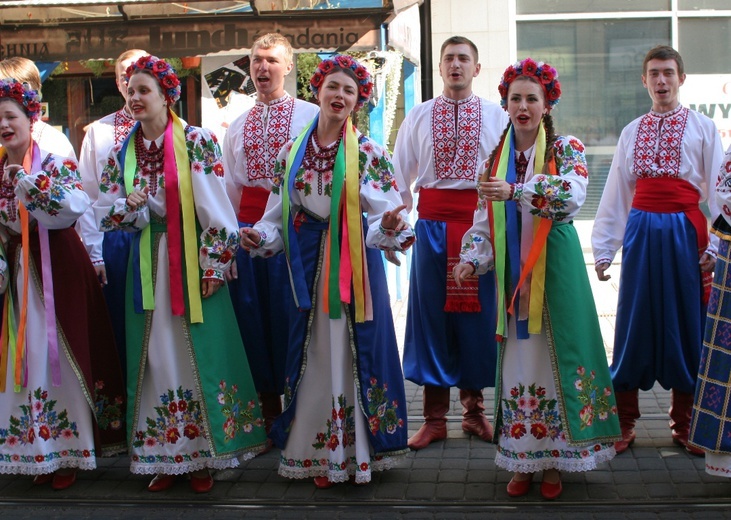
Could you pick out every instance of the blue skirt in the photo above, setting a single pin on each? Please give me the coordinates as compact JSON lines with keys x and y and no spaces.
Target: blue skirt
{"x":446,"y":348}
{"x":660,"y":313}
{"x":710,"y":427}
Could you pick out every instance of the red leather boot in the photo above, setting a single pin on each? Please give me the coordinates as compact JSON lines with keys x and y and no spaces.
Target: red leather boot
{"x":681,"y":406}
{"x":628,"y":408}
{"x":436,"y":406}
{"x":474,"y":421}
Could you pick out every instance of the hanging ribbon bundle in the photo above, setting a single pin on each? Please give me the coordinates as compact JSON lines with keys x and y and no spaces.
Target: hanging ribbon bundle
{"x":345,"y":260}
{"x":504,"y":231}
{"x":13,"y":336}
{"x":178,"y":201}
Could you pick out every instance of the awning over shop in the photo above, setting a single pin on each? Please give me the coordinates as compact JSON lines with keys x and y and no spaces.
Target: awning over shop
{"x":52,"y":30}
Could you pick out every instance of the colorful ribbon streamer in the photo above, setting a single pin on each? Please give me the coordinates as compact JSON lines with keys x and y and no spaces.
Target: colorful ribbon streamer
{"x":345,"y":260}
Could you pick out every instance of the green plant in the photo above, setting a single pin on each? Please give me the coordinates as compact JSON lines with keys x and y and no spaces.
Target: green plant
{"x":97,"y":67}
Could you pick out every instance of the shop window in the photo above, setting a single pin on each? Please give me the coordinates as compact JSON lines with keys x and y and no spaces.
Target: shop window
{"x":591,"y":6}
{"x":695,"y":5}
{"x":702,"y":41}
{"x":599,"y":64}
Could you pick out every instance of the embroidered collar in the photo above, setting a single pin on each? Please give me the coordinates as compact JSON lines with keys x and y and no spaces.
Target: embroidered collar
{"x":673,"y":112}
{"x":458,"y":102}
{"x":275,"y":102}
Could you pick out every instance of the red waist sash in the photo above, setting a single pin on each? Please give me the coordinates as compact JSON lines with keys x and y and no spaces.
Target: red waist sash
{"x":456,"y":208}
{"x":671,"y":195}
{"x":451,"y":206}
{"x":252,"y":204}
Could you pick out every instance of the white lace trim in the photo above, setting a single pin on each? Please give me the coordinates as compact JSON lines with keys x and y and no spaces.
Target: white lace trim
{"x":182,"y":469}
{"x":361,"y":477}
{"x":568,"y":465}
{"x":42,"y":469}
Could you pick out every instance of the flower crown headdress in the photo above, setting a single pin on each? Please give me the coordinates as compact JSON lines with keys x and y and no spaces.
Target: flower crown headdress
{"x":22,"y":94}
{"x":342,"y":61}
{"x":546,"y":76}
{"x":162,"y":72}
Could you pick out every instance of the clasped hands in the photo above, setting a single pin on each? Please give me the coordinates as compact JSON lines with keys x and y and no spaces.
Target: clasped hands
{"x":494,"y":189}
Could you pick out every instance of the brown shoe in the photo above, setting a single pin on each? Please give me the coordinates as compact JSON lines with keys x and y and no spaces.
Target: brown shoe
{"x":430,"y":431}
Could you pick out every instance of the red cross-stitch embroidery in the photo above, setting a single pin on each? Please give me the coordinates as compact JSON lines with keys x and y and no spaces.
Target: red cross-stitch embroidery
{"x":659,"y":144}
{"x":261,"y":145}
{"x":123,"y":124}
{"x":455,"y":149}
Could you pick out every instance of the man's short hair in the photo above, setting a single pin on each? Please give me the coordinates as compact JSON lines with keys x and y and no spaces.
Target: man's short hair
{"x":131,"y":53}
{"x":21,"y":69}
{"x":459,"y":40}
{"x":270,"y":40}
{"x":663,"y":52}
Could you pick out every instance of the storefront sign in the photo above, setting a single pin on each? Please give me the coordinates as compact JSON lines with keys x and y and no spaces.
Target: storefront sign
{"x":184,"y":37}
{"x":710,"y":94}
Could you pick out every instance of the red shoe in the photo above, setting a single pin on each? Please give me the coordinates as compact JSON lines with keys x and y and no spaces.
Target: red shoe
{"x":628,"y":437}
{"x":551,"y":491}
{"x":39,"y":480}
{"x":323,"y":483}
{"x":63,"y":480}
{"x":430,"y":431}
{"x":201,"y":484}
{"x":680,"y":440}
{"x":161,"y":482}
{"x":518,"y":488}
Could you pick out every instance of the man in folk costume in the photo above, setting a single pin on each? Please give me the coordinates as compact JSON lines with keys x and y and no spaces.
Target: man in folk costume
{"x":260,"y":285}
{"x":665,"y":165}
{"x":108,"y":251}
{"x":441,"y":145}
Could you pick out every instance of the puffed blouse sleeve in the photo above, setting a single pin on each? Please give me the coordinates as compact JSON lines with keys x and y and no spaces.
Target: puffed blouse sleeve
{"x":53,"y":196}
{"x":110,"y":209}
{"x":723,"y":188}
{"x":557,"y":197}
{"x":476,"y":247}
{"x":219,"y":238}
{"x":378,"y":194}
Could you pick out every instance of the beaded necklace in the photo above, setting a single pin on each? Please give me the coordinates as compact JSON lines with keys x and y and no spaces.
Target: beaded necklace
{"x":150,"y":160}
{"x":320,"y":159}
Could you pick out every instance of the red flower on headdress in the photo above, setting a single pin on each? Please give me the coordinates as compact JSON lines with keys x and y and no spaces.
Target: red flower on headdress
{"x":159,"y":66}
{"x":546,"y":74}
{"x":317,"y":78}
{"x":509,"y":75}
{"x":365,"y":90}
{"x":554,"y":93}
{"x":326,"y":66}
{"x":344,"y":61}
{"x":170,"y":81}
{"x":529,"y":67}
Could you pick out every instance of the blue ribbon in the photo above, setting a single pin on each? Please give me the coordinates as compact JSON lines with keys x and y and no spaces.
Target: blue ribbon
{"x":512,"y":231}
{"x":294,"y":257}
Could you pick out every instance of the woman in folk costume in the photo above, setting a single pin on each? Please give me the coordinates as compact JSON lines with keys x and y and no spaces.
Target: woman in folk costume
{"x":192,"y":403}
{"x":345,"y":410}
{"x":61,"y":388}
{"x":710,"y":426}
{"x":562,"y":418}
